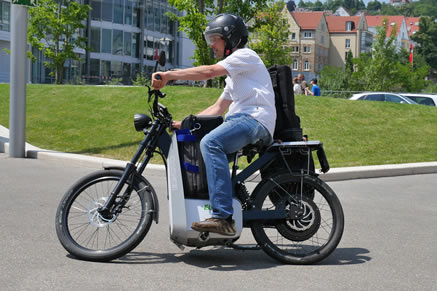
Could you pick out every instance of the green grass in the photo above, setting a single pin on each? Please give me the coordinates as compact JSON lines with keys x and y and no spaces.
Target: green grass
{"x":98,"y":121}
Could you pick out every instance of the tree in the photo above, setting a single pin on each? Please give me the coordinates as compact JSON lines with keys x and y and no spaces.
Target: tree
{"x":426,"y":38}
{"x":193,"y":23}
{"x":333,"y":79}
{"x":54,"y":29}
{"x":383,"y":69}
{"x":374,"y":6}
{"x":196,"y":13}
{"x":318,"y":6}
{"x":302,"y":4}
{"x":272,"y":36}
{"x":349,"y":68}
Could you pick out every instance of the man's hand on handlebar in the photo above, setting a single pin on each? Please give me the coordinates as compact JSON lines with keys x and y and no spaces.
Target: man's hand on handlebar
{"x":159,"y":80}
{"x":175,"y":125}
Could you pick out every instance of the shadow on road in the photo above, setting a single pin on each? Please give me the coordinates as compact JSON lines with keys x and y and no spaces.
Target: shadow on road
{"x":347,"y":256}
{"x":224,"y":259}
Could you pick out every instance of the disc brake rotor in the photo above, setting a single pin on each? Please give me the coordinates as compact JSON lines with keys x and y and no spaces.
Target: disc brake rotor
{"x":94,"y":217}
{"x":305,"y":226}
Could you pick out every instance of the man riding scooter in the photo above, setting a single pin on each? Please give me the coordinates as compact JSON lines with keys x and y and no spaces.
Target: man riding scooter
{"x":248,"y":95}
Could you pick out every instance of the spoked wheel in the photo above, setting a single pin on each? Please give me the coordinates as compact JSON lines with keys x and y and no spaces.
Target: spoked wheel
{"x":86,"y":234}
{"x":317,"y":230}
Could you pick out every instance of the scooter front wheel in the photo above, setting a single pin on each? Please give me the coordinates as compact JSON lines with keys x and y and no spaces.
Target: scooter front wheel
{"x":86,"y":234}
{"x":314,"y":234}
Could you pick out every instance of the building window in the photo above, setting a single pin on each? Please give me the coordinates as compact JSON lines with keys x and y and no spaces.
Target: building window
{"x":136,"y":16}
{"x":350,"y":25}
{"x":348,"y":43}
{"x":127,"y":12}
{"x":306,"y":65}
{"x":95,"y":39}
{"x":157,"y":16}
{"x":307,"y":49}
{"x":294,"y":49}
{"x":127,"y":44}
{"x":117,"y":48}
{"x":293,"y":36}
{"x":308,"y":34}
{"x":116,"y":69}
{"x":150,"y":17}
{"x":294,"y":67}
{"x":96,"y":11}
{"x":94,"y":67}
{"x":106,"y":41}
{"x":107,"y":10}
{"x":5,"y":12}
{"x":135,"y":45}
{"x":106,"y":69}
{"x":118,"y":11}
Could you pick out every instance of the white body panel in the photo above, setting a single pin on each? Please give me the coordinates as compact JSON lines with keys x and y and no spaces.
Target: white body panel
{"x":183,"y":211}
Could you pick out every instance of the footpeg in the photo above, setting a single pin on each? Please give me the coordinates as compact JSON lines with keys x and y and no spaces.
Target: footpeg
{"x":204,"y":236}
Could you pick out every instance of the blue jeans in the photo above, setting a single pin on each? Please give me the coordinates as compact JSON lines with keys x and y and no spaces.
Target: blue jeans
{"x":236,"y":132}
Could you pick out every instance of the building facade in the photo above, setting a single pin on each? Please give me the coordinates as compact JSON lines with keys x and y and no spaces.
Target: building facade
{"x":125,"y":37}
{"x":5,"y":40}
{"x":347,"y":34}
{"x":402,"y":38}
{"x":309,"y":39}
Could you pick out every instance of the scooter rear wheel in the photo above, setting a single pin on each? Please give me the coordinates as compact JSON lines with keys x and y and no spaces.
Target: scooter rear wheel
{"x":86,"y":234}
{"x":311,"y":237}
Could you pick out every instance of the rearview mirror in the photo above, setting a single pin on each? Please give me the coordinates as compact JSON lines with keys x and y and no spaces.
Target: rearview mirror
{"x":161,"y":60}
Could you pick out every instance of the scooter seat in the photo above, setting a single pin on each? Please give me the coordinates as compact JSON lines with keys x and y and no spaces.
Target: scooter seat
{"x":252,"y":149}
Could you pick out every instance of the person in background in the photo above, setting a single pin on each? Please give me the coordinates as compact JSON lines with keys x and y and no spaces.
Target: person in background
{"x":315,"y":90}
{"x":296,"y":87}
{"x":304,"y":87}
{"x":301,"y":78}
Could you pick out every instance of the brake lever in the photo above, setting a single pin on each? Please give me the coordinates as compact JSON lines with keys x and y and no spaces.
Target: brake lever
{"x":150,"y":93}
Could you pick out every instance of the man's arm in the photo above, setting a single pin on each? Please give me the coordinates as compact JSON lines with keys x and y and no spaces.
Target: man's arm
{"x":195,"y":74}
{"x":308,"y":91}
{"x":218,"y":108}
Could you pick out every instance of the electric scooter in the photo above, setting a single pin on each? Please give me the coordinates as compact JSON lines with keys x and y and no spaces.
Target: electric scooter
{"x":294,"y":216}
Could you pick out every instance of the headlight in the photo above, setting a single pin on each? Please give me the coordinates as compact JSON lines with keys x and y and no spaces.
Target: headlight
{"x":142,"y":121}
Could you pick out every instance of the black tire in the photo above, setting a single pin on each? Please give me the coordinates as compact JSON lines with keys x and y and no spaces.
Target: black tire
{"x":86,"y":235}
{"x":306,"y":240}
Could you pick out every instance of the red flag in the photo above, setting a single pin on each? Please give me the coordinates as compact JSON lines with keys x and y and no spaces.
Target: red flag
{"x":156,"y":54}
{"x":411,"y":54}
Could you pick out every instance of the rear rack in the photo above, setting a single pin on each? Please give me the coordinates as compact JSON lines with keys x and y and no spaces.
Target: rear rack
{"x":313,"y":145}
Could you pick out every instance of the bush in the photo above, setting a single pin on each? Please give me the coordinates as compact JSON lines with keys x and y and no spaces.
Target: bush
{"x":114,"y":81}
{"x":140,"y":79}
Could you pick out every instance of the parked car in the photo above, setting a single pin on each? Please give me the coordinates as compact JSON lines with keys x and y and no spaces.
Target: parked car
{"x":424,"y":99}
{"x":382,"y":96}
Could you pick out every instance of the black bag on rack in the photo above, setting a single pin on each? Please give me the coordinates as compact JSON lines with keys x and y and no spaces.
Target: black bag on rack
{"x":193,"y":129}
{"x":287,"y":122}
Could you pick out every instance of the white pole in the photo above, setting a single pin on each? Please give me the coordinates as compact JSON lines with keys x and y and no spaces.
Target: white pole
{"x":17,"y":109}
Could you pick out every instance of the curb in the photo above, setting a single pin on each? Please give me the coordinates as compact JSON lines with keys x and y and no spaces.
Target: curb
{"x":335,"y":174}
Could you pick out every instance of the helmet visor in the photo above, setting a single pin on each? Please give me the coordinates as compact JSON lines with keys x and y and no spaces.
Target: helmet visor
{"x":211,"y":38}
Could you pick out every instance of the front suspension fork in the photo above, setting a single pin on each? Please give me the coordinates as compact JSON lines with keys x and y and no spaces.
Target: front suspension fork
{"x":107,"y":210}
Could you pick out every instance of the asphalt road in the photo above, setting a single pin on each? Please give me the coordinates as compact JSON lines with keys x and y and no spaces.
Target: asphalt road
{"x":389,"y":242}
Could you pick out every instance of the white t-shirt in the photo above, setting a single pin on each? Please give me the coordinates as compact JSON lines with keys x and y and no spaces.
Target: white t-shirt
{"x":249,"y":87}
{"x":297,"y":89}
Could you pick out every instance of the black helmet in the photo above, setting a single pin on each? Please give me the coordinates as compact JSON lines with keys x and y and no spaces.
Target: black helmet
{"x":229,"y":27}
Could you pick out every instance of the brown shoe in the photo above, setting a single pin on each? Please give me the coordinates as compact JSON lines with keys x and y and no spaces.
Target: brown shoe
{"x":216,"y":225}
